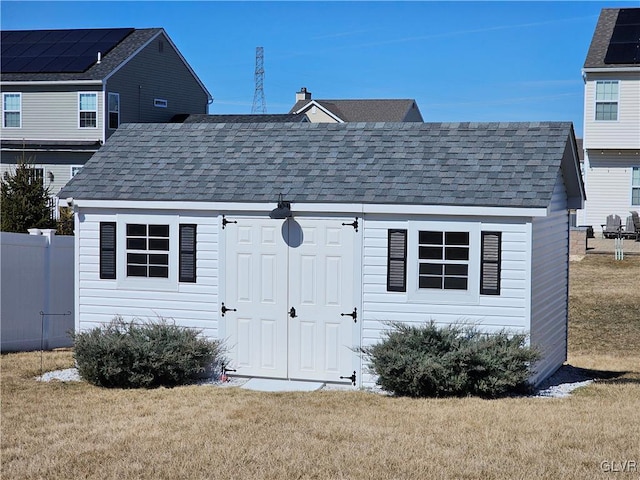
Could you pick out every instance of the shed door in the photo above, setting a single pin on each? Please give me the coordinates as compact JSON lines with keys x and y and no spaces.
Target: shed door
{"x":290,"y":282}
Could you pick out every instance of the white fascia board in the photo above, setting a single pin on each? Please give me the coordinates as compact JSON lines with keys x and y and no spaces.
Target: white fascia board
{"x":52,"y":82}
{"x":313,"y":103}
{"x":614,"y":69}
{"x":144,"y":45}
{"x":297,"y":208}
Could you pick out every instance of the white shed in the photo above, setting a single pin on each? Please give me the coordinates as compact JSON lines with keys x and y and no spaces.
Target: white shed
{"x":403,"y":222}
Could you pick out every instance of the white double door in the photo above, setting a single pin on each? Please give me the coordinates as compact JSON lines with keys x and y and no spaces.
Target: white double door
{"x":289,"y":285}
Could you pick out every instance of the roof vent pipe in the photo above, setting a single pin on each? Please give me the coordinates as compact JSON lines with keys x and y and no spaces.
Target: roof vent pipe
{"x":99,"y":58}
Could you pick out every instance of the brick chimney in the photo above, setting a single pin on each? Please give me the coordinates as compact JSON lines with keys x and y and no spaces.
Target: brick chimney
{"x":303,"y":94}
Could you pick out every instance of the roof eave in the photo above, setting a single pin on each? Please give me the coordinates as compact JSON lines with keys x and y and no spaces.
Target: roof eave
{"x":305,"y":208}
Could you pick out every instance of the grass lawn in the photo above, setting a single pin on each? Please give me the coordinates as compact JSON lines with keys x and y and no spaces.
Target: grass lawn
{"x":74,"y":430}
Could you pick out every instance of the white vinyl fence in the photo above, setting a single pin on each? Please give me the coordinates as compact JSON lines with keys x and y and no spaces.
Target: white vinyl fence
{"x":36,"y":309}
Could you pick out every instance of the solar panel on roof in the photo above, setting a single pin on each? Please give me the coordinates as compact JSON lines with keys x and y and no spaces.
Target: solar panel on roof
{"x":57,"y":51}
{"x":624,"y":46}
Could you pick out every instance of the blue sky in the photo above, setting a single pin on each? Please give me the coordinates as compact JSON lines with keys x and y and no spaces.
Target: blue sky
{"x":461,"y":61}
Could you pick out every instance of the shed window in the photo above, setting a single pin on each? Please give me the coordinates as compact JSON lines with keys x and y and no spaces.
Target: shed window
{"x":187,"y":253}
{"x":107,"y":250}
{"x":397,"y":261}
{"x":607,"y":100}
{"x":147,"y":250}
{"x":490,"y":263}
{"x":443,"y":259}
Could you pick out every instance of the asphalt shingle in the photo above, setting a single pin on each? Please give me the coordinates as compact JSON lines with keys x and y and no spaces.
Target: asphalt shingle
{"x":479,"y":164}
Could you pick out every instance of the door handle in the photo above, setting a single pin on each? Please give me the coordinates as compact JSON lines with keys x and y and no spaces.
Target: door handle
{"x":292,"y":312}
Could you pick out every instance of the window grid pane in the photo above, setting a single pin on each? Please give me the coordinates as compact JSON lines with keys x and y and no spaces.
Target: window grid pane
{"x":448,"y":255}
{"x":12,"y":110}
{"x":88,"y":110}
{"x":144,"y":244}
{"x":607,"y":100}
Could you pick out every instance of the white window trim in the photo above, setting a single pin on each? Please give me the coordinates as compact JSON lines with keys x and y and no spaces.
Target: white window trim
{"x":437,"y":296}
{"x":595,"y":102}
{"x":96,"y":110}
{"x":71,"y":174}
{"x":160,"y":103}
{"x":633,"y":187}
{"x":4,"y":94}
{"x":169,"y":284}
{"x":117,"y":95}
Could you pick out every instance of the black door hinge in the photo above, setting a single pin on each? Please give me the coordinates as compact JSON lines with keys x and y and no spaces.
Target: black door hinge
{"x":225,"y":221}
{"x":353,"y":224}
{"x":352,"y":378}
{"x":225,"y":309}
{"x":353,"y":314}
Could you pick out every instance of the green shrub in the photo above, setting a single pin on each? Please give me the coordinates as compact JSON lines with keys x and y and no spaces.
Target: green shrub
{"x":147,"y":355}
{"x":432,"y":361}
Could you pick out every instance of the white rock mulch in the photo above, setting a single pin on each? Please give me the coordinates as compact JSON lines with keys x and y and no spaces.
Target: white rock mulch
{"x":560,"y":385}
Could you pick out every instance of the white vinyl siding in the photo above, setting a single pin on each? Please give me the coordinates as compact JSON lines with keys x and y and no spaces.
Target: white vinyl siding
{"x":549,"y":283}
{"x":53,"y":115}
{"x":508,"y":310}
{"x":609,"y":186}
{"x":188,"y":304}
{"x":12,"y":110}
{"x":624,"y":133}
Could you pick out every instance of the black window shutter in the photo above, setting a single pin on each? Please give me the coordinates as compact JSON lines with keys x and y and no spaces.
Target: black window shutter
{"x":490,"y":266}
{"x":187,"y":253}
{"x":108,"y":250}
{"x":397,"y":261}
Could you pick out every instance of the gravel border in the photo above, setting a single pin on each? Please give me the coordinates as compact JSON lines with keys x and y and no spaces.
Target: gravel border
{"x":559,"y":385}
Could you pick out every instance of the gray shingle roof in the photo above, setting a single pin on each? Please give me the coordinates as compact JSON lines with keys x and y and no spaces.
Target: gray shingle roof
{"x":480,"y":164}
{"x":601,"y":39}
{"x":365,"y":110}
{"x":109,"y":62}
{"x":238,"y":118}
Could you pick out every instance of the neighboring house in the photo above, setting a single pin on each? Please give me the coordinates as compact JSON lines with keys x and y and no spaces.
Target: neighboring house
{"x":340,"y":111}
{"x":612,"y":118}
{"x":411,"y":222}
{"x":241,"y":118}
{"x":64,"y":92}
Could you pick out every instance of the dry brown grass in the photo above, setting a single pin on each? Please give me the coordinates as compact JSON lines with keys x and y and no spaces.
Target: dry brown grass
{"x":74,"y":430}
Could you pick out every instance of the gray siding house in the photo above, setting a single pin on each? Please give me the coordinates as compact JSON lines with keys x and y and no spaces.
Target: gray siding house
{"x":611,"y":74}
{"x":295,"y":243}
{"x":356,"y":110}
{"x":65,"y":92}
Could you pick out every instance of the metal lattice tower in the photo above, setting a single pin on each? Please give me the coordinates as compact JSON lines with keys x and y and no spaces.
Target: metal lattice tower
{"x":259,"y":103}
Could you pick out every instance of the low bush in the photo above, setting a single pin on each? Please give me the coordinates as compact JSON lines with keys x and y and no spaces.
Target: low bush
{"x":144,"y":355}
{"x":432,"y":361}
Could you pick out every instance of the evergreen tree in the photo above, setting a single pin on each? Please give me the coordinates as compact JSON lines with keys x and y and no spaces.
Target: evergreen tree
{"x":25,"y":200}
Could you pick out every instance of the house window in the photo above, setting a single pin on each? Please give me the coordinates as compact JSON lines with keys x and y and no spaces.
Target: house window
{"x":443,"y":259}
{"x":635,"y":186}
{"x":108,"y":250}
{"x":147,"y":250}
{"x":12,"y":110}
{"x":36,"y":175}
{"x":607,"y":100}
{"x":75,"y":169}
{"x":160,"y":103}
{"x":88,"y":110}
{"x":114,"y":110}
